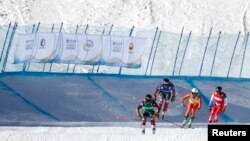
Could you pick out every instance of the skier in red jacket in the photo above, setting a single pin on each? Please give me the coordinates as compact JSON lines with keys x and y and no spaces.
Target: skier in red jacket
{"x":217,"y":104}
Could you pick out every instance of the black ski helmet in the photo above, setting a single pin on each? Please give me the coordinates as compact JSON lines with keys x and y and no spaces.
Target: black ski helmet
{"x":218,"y":89}
{"x":148,"y":97}
{"x":166,"y":80}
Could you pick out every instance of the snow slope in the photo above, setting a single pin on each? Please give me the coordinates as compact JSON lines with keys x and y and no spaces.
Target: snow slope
{"x":171,"y":15}
{"x":105,"y":98}
{"x":60,"y":102}
{"x":101,"y":107}
{"x":99,"y":134}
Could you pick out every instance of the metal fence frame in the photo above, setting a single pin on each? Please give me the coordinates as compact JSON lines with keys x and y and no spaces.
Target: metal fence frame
{"x":154,"y":49}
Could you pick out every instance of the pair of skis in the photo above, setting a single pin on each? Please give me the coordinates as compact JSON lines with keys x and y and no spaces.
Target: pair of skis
{"x":180,"y":126}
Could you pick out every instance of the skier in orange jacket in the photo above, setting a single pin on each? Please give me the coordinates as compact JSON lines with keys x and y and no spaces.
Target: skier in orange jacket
{"x":194,"y":104}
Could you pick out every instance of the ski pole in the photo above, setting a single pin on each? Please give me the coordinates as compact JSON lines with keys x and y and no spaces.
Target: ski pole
{"x":172,"y":123}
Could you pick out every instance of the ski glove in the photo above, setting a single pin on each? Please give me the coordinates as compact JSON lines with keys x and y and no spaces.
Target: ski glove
{"x":210,"y":109}
{"x":139,"y":116}
{"x":173,"y":98}
{"x":183,"y":104}
{"x":223,"y":110}
{"x":156,"y":115}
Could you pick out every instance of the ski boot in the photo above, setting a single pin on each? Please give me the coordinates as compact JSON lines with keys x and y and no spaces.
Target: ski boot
{"x":163,"y":114}
{"x":184,"y":121}
{"x":190,"y":122}
{"x":143,"y":131}
{"x":153,"y":129}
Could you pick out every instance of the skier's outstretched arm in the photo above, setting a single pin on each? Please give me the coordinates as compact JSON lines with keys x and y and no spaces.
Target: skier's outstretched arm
{"x":138,"y":114}
{"x":211,"y":102}
{"x":173,"y":94}
{"x":156,"y":92}
{"x":199,"y":103}
{"x":183,"y":99}
{"x":225,"y":103}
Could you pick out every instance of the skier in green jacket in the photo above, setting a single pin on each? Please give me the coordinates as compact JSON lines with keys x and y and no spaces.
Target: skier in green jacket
{"x":150,"y":110}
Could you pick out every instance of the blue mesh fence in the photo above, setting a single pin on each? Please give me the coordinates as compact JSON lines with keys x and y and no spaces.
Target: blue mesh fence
{"x":165,"y":53}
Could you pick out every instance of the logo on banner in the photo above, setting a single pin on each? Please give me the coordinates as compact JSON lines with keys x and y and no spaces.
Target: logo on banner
{"x":29,"y":44}
{"x":43,"y":42}
{"x":88,"y":45}
{"x":117,"y":46}
{"x":131,"y":47}
{"x":70,"y":44}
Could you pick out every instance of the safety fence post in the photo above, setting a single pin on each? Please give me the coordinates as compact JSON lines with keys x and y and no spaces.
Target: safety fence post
{"x":9,"y":45}
{"x":85,"y":31}
{"x":75,"y":33}
{"x":6,"y":36}
{"x":178,"y":47}
{"x":205,"y":51}
{"x":156,"y":31}
{"x":38,"y":26}
{"x":231,"y":60}
{"x":244,"y":54}
{"x":110,"y":30}
{"x":216,"y":48}
{"x":184,"y":52}
{"x":51,"y":65}
{"x":157,"y":44}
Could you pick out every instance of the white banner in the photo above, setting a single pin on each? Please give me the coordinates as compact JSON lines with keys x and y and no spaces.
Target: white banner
{"x":112,"y":50}
{"x":106,"y":40}
{"x":25,"y":47}
{"x":122,"y":51}
{"x":132,"y":52}
{"x":58,"y":47}
{"x":69,"y":48}
{"x":45,"y":47}
{"x":76,"y":48}
{"x":89,"y":49}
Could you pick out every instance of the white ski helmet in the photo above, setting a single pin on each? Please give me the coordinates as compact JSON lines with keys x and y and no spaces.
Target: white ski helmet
{"x":194,"y":90}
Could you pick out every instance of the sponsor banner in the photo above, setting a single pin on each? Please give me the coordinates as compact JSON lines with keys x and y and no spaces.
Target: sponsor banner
{"x":133,"y":48}
{"x":58,"y":46}
{"x":69,"y":48}
{"x":45,"y":48}
{"x":113,"y":49}
{"x":25,"y":48}
{"x":89,"y":49}
{"x":106,"y":44}
{"x":122,"y":51}
{"x":77,"y":48}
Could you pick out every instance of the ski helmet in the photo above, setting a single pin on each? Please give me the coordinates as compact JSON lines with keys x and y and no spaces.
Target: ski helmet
{"x":148,"y":97}
{"x":218,"y":89}
{"x":165,"y":80}
{"x":194,"y":90}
